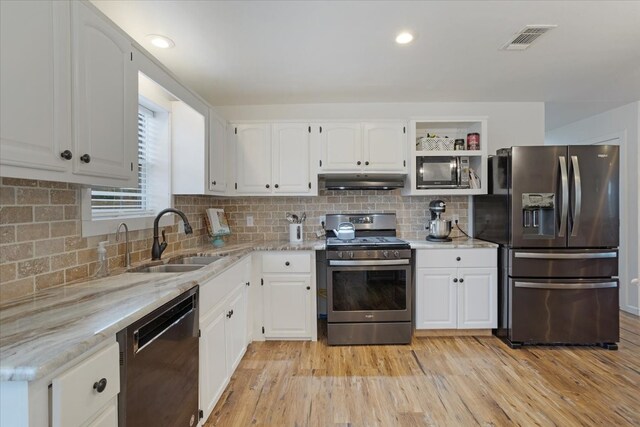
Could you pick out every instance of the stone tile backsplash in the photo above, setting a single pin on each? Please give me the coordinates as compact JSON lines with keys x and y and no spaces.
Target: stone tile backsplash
{"x":41,"y":243}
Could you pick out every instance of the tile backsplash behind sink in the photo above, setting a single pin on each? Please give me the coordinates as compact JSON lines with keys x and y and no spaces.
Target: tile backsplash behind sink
{"x":41,"y":243}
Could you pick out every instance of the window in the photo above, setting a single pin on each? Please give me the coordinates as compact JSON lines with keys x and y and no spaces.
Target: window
{"x":131,"y":202}
{"x":104,"y":208}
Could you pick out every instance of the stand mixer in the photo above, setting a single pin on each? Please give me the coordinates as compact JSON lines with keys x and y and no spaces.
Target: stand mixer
{"x":439,"y":229}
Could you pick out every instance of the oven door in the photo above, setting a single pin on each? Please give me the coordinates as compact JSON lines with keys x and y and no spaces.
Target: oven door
{"x":368,"y":291}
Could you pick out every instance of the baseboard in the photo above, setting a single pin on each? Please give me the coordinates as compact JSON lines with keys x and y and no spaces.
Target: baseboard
{"x":452,"y":333}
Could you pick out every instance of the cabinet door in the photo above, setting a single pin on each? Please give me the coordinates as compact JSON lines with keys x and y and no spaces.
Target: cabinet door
{"x":291,"y":150}
{"x":105,"y":98}
{"x":35,"y":79}
{"x":477,"y":298}
{"x":236,"y":327}
{"x":108,"y":417}
{"x":341,"y":145}
{"x":213,"y":361}
{"x":287,"y":306}
{"x":384,"y":147}
{"x":253,"y":159}
{"x":217,"y":142}
{"x":436,"y":298}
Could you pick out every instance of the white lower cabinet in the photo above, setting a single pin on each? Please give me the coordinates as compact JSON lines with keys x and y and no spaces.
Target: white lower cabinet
{"x":86,"y":395}
{"x":456,"y":289}
{"x":288,"y":295}
{"x":223,"y":331}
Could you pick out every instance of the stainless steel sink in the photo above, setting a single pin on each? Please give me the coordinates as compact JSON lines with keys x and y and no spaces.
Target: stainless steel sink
{"x":197,"y":260}
{"x":168,"y":268}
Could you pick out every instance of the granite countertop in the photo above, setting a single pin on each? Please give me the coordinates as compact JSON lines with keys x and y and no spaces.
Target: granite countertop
{"x":464,"y":242}
{"x":42,"y":332}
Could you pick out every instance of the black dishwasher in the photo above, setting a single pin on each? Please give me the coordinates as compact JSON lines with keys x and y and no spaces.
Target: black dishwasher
{"x":159,"y":366}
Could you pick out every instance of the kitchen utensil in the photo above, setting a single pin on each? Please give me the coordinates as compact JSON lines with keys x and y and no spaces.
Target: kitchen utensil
{"x":289,"y":218}
{"x":345,"y":231}
{"x":303,"y":217}
{"x":296,"y":220}
{"x":439,"y":229}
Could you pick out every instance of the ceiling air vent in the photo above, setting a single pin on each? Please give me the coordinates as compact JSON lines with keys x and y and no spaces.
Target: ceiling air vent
{"x":523,"y":38}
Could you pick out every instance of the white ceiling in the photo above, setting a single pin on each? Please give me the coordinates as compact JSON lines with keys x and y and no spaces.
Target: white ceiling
{"x":281,"y":52}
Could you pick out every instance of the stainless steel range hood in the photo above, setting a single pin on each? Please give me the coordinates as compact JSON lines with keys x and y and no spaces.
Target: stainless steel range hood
{"x":362,"y":181}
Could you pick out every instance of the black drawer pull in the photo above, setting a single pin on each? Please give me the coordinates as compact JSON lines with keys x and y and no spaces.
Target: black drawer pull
{"x":85,"y":158}
{"x":458,"y":259}
{"x":99,"y":386}
{"x":287,"y":263}
{"x":66,"y":154}
{"x":359,"y":163}
{"x":455,"y":280}
{"x":461,"y":280}
{"x":308,"y":287}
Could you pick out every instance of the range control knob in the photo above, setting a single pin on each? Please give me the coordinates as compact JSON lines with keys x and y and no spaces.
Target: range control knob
{"x":385,"y":254}
{"x":396,"y":254}
{"x":351,"y":254}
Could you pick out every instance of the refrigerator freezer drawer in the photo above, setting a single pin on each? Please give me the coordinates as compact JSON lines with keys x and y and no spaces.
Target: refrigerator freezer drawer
{"x":564,"y":311}
{"x":545,"y":263}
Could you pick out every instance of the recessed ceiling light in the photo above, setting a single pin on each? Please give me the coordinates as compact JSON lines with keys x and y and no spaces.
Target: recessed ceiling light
{"x":160,"y":41}
{"x":404,"y":37}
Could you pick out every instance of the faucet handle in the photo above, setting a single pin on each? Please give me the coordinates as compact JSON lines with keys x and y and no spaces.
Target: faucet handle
{"x":164,"y":237}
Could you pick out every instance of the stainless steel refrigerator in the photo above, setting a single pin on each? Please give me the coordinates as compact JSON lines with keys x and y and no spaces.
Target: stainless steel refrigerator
{"x":554,"y":212}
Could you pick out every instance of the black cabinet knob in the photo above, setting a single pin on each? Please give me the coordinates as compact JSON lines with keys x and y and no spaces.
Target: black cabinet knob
{"x":277,"y":186}
{"x":287,"y":263}
{"x":213,"y":182}
{"x":366,"y":163}
{"x":66,"y":154}
{"x":455,"y":280}
{"x":461,"y":280}
{"x":458,"y":258}
{"x":359,"y":163}
{"x":99,"y":386}
{"x":267,"y":186}
{"x":308,"y":287}
{"x":85,"y":158}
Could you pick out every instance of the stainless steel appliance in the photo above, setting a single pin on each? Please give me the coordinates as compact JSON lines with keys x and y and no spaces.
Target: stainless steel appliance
{"x":439,"y":228}
{"x":159,"y":366}
{"x":369,"y":282}
{"x":442,"y":172}
{"x":554,"y":212}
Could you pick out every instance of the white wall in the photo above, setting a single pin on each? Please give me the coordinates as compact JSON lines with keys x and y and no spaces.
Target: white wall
{"x":510,"y":123}
{"x":624,"y":122}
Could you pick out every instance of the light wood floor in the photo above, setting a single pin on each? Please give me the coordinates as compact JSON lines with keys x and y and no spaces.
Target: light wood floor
{"x":460,"y":381}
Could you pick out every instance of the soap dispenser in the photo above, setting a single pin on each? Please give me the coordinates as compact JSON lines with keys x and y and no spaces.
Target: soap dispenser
{"x":102,"y":269}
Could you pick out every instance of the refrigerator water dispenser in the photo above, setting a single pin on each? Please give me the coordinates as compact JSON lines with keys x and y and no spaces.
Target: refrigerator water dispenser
{"x":538,"y":215}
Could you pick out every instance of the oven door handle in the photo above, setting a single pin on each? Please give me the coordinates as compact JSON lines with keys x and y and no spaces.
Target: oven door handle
{"x":376,"y":262}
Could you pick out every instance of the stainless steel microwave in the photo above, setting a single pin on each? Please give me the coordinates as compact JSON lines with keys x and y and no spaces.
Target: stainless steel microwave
{"x":442,"y":172}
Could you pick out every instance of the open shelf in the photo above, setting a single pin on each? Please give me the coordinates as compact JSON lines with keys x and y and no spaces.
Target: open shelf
{"x":449,"y":153}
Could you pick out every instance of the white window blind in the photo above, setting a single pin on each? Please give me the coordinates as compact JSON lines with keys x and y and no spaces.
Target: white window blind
{"x":130,"y":202}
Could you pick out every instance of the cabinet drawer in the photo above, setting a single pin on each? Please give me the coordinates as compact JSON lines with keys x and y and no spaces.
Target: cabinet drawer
{"x":436,"y":258}
{"x":75,"y":396}
{"x":286,"y":262}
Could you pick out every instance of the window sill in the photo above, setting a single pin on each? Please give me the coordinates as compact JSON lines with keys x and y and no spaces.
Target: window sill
{"x":97,"y":227}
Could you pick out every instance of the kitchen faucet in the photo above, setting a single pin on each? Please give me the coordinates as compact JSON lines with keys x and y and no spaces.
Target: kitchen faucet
{"x":158,"y":248}
{"x":127,"y":252}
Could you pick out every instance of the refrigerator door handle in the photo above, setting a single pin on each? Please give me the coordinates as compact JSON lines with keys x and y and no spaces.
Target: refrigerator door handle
{"x":565,"y":196}
{"x":578,"y":195}
{"x":556,"y":285}
{"x":541,"y":255}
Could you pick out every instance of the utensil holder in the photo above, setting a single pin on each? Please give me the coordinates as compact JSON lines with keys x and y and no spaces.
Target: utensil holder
{"x":295,"y":233}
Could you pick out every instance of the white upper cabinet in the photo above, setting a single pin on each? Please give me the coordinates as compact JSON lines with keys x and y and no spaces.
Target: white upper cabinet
{"x":188,"y":149}
{"x":69,"y":95}
{"x":105,"y":97}
{"x":217,"y":143}
{"x":253,"y":159}
{"x":291,"y":158}
{"x":273,"y":159}
{"x":341,"y":147}
{"x":363,"y":147}
{"x":384,"y":147}
{"x":35,"y":110}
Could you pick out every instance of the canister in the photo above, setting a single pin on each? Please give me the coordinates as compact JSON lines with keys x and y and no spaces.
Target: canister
{"x":473,"y":141}
{"x":458,"y":144}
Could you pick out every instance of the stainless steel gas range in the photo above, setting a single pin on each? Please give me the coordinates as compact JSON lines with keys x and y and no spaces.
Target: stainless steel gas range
{"x":369,"y":282}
